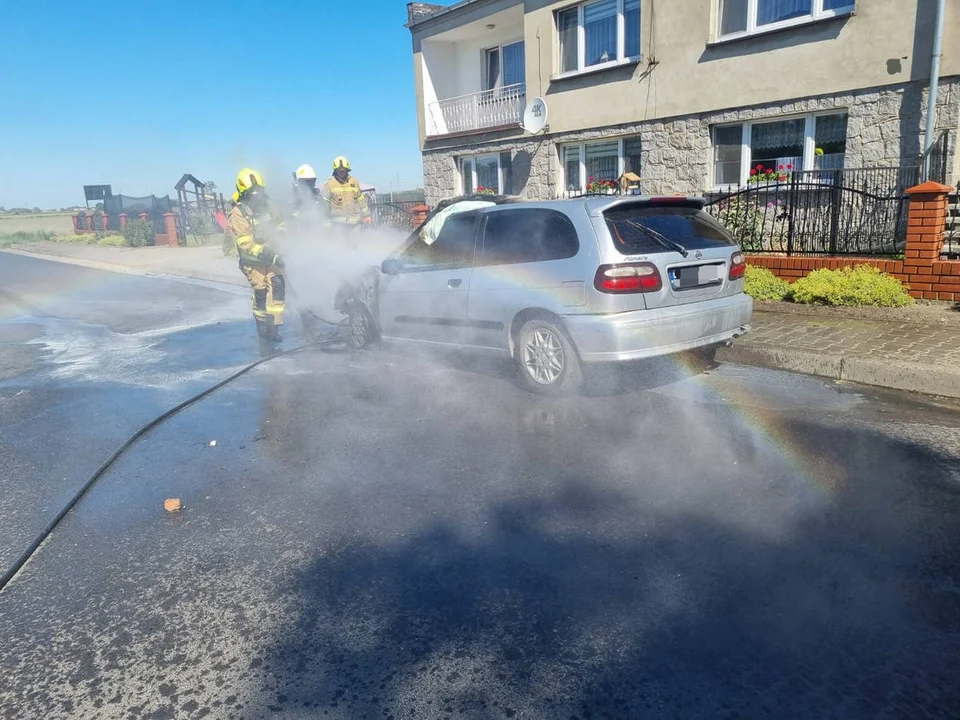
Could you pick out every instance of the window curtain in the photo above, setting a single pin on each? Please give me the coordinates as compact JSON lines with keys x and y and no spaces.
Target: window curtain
{"x":771,"y":11}
{"x":600,"y":28}
{"x":787,"y":135}
{"x":602,"y":160}
{"x":567,"y":29}
{"x":570,"y":156}
{"x":513,"y":70}
{"x":631,"y":28}
{"x":488,"y":173}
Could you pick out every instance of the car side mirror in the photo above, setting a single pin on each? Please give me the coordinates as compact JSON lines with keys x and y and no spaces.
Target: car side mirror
{"x":391,"y":266}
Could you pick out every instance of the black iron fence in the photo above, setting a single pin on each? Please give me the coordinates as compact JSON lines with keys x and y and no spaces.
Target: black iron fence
{"x":821,"y":212}
{"x":399,"y":214}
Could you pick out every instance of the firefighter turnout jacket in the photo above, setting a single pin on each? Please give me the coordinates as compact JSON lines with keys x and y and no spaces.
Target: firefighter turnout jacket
{"x":346,"y":199}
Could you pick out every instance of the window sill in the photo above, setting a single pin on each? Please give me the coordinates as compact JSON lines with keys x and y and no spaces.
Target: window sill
{"x":785,"y":27}
{"x":597,"y":68}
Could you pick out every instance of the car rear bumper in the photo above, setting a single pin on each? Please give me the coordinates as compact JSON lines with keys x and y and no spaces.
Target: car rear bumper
{"x":647,"y":333}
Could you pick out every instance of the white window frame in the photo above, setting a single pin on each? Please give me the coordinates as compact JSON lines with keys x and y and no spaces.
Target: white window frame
{"x":621,"y":161}
{"x":471,"y":161}
{"x":485,"y":64}
{"x":746,"y":160}
{"x":817,"y":13}
{"x":582,"y":68}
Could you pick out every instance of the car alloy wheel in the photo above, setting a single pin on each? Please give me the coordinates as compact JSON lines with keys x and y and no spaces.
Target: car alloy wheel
{"x":543,"y":356}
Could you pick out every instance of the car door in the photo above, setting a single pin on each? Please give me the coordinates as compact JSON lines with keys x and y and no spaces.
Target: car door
{"x":526,"y":259}
{"x":426,"y":296}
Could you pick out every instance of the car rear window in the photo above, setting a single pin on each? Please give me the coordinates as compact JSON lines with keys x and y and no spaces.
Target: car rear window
{"x":689,"y":226}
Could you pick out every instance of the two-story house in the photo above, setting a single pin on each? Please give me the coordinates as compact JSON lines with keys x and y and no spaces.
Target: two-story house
{"x":691,"y":95}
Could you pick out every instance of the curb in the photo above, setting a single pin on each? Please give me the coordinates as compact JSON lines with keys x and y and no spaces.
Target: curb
{"x":123,"y":269}
{"x":894,"y":374}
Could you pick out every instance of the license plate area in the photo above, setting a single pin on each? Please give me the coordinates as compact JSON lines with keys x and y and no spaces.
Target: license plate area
{"x":695,"y":276}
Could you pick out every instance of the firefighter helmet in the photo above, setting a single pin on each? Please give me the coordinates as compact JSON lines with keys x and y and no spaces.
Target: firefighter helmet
{"x":306,"y":172}
{"x":247,"y":179}
{"x":340,"y":162}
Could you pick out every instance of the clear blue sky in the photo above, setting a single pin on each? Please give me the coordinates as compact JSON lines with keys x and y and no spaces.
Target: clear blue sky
{"x":137,"y":93}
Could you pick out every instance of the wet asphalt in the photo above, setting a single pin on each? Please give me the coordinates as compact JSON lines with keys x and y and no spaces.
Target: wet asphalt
{"x":400,"y":534}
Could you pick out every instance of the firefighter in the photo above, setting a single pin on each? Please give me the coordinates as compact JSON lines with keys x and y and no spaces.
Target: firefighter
{"x":252,"y":222}
{"x":348,"y":204}
{"x":309,"y":208}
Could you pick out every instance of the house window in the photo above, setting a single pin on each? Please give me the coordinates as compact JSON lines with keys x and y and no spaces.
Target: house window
{"x":744,"y":17}
{"x":486,"y":172}
{"x":598,"y":33}
{"x":503,"y":66}
{"x":585,"y":163}
{"x":814,"y":142}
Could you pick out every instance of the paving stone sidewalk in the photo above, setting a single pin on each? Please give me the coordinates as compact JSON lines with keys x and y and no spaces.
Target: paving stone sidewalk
{"x":921,"y":357}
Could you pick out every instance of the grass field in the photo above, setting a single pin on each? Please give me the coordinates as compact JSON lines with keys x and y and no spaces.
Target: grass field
{"x":59,"y":223}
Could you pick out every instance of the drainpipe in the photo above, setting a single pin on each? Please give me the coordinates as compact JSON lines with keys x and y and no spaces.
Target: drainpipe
{"x":928,"y":139}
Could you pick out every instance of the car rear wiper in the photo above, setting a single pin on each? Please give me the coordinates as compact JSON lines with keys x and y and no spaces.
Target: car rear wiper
{"x":658,"y":237}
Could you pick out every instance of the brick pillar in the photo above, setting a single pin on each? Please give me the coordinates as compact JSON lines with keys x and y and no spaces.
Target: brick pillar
{"x":143,"y":216}
{"x":123,"y":222}
{"x":926,"y":223}
{"x":76,"y":224}
{"x":105,"y":222}
{"x":419,"y":214}
{"x":170,"y":228}
{"x":90,"y":223}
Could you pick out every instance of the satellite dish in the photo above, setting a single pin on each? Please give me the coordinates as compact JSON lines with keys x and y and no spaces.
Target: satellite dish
{"x":535,"y":116}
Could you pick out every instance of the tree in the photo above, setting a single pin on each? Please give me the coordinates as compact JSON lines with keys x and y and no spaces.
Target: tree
{"x":209,"y":187}
{"x":35,"y":209}
{"x":98,"y":207}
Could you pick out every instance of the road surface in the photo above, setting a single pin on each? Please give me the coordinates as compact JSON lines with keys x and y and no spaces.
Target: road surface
{"x":395,"y":534}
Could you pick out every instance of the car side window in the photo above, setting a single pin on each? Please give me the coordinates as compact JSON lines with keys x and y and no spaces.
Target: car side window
{"x":521,"y":235}
{"x":453,"y":247}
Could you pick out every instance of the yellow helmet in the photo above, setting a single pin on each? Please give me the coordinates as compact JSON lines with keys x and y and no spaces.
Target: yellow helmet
{"x":248,"y":178}
{"x":340,"y":162}
{"x":306,"y":172}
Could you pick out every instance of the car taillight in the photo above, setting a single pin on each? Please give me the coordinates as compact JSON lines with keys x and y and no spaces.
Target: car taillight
{"x":738,"y":266}
{"x":632,"y":278}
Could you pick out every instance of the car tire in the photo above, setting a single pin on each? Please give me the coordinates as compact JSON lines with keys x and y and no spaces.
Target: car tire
{"x":361,"y":330}
{"x":547,"y":361}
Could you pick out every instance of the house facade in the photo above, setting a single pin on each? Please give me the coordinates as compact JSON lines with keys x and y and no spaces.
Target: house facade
{"x":691,"y":95}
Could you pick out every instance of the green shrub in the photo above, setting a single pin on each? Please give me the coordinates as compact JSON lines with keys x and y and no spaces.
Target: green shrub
{"x":762,"y":284}
{"x":19,"y":237}
{"x":139,"y":233}
{"x":851,"y":286}
{"x":112,"y":241}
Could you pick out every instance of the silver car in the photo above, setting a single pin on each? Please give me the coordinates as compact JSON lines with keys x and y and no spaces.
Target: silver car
{"x":558,"y":284}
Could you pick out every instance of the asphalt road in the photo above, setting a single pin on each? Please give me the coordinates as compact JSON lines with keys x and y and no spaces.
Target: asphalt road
{"x":390,"y":534}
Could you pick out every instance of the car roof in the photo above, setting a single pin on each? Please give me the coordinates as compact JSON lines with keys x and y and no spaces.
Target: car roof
{"x":595,"y":205}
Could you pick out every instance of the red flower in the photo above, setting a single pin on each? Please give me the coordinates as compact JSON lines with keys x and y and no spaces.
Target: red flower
{"x":780,"y":168}
{"x":591,"y":178}
{"x":769,"y":171}
{"x":753,"y":172}
{"x":789,"y":167}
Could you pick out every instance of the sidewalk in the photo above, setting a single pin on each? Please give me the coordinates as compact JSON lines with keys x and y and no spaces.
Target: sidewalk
{"x":915,"y":349}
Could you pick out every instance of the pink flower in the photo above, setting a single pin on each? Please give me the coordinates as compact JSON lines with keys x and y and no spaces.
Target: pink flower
{"x":780,"y":168}
{"x":591,"y":178}
{"x":789,"y":166}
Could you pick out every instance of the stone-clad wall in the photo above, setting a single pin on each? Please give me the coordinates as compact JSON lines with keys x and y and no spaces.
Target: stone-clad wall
{"x":884,"y":130}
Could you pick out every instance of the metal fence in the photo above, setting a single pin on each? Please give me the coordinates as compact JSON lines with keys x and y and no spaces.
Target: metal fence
{"x":821,"y":212}
{"x":398,"y":214}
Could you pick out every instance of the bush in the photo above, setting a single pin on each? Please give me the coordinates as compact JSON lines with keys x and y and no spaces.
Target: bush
{"x":139,"y":233}
{"x":19,"y":237}
{"x":112,"y":241}
{"x":851,"y":286}
{"x":762,"y":284}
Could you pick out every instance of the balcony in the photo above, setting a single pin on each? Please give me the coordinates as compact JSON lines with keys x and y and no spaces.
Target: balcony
{"x":485,"y":110}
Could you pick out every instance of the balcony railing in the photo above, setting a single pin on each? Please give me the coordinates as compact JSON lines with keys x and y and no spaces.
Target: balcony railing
{"x":499,"y":107}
